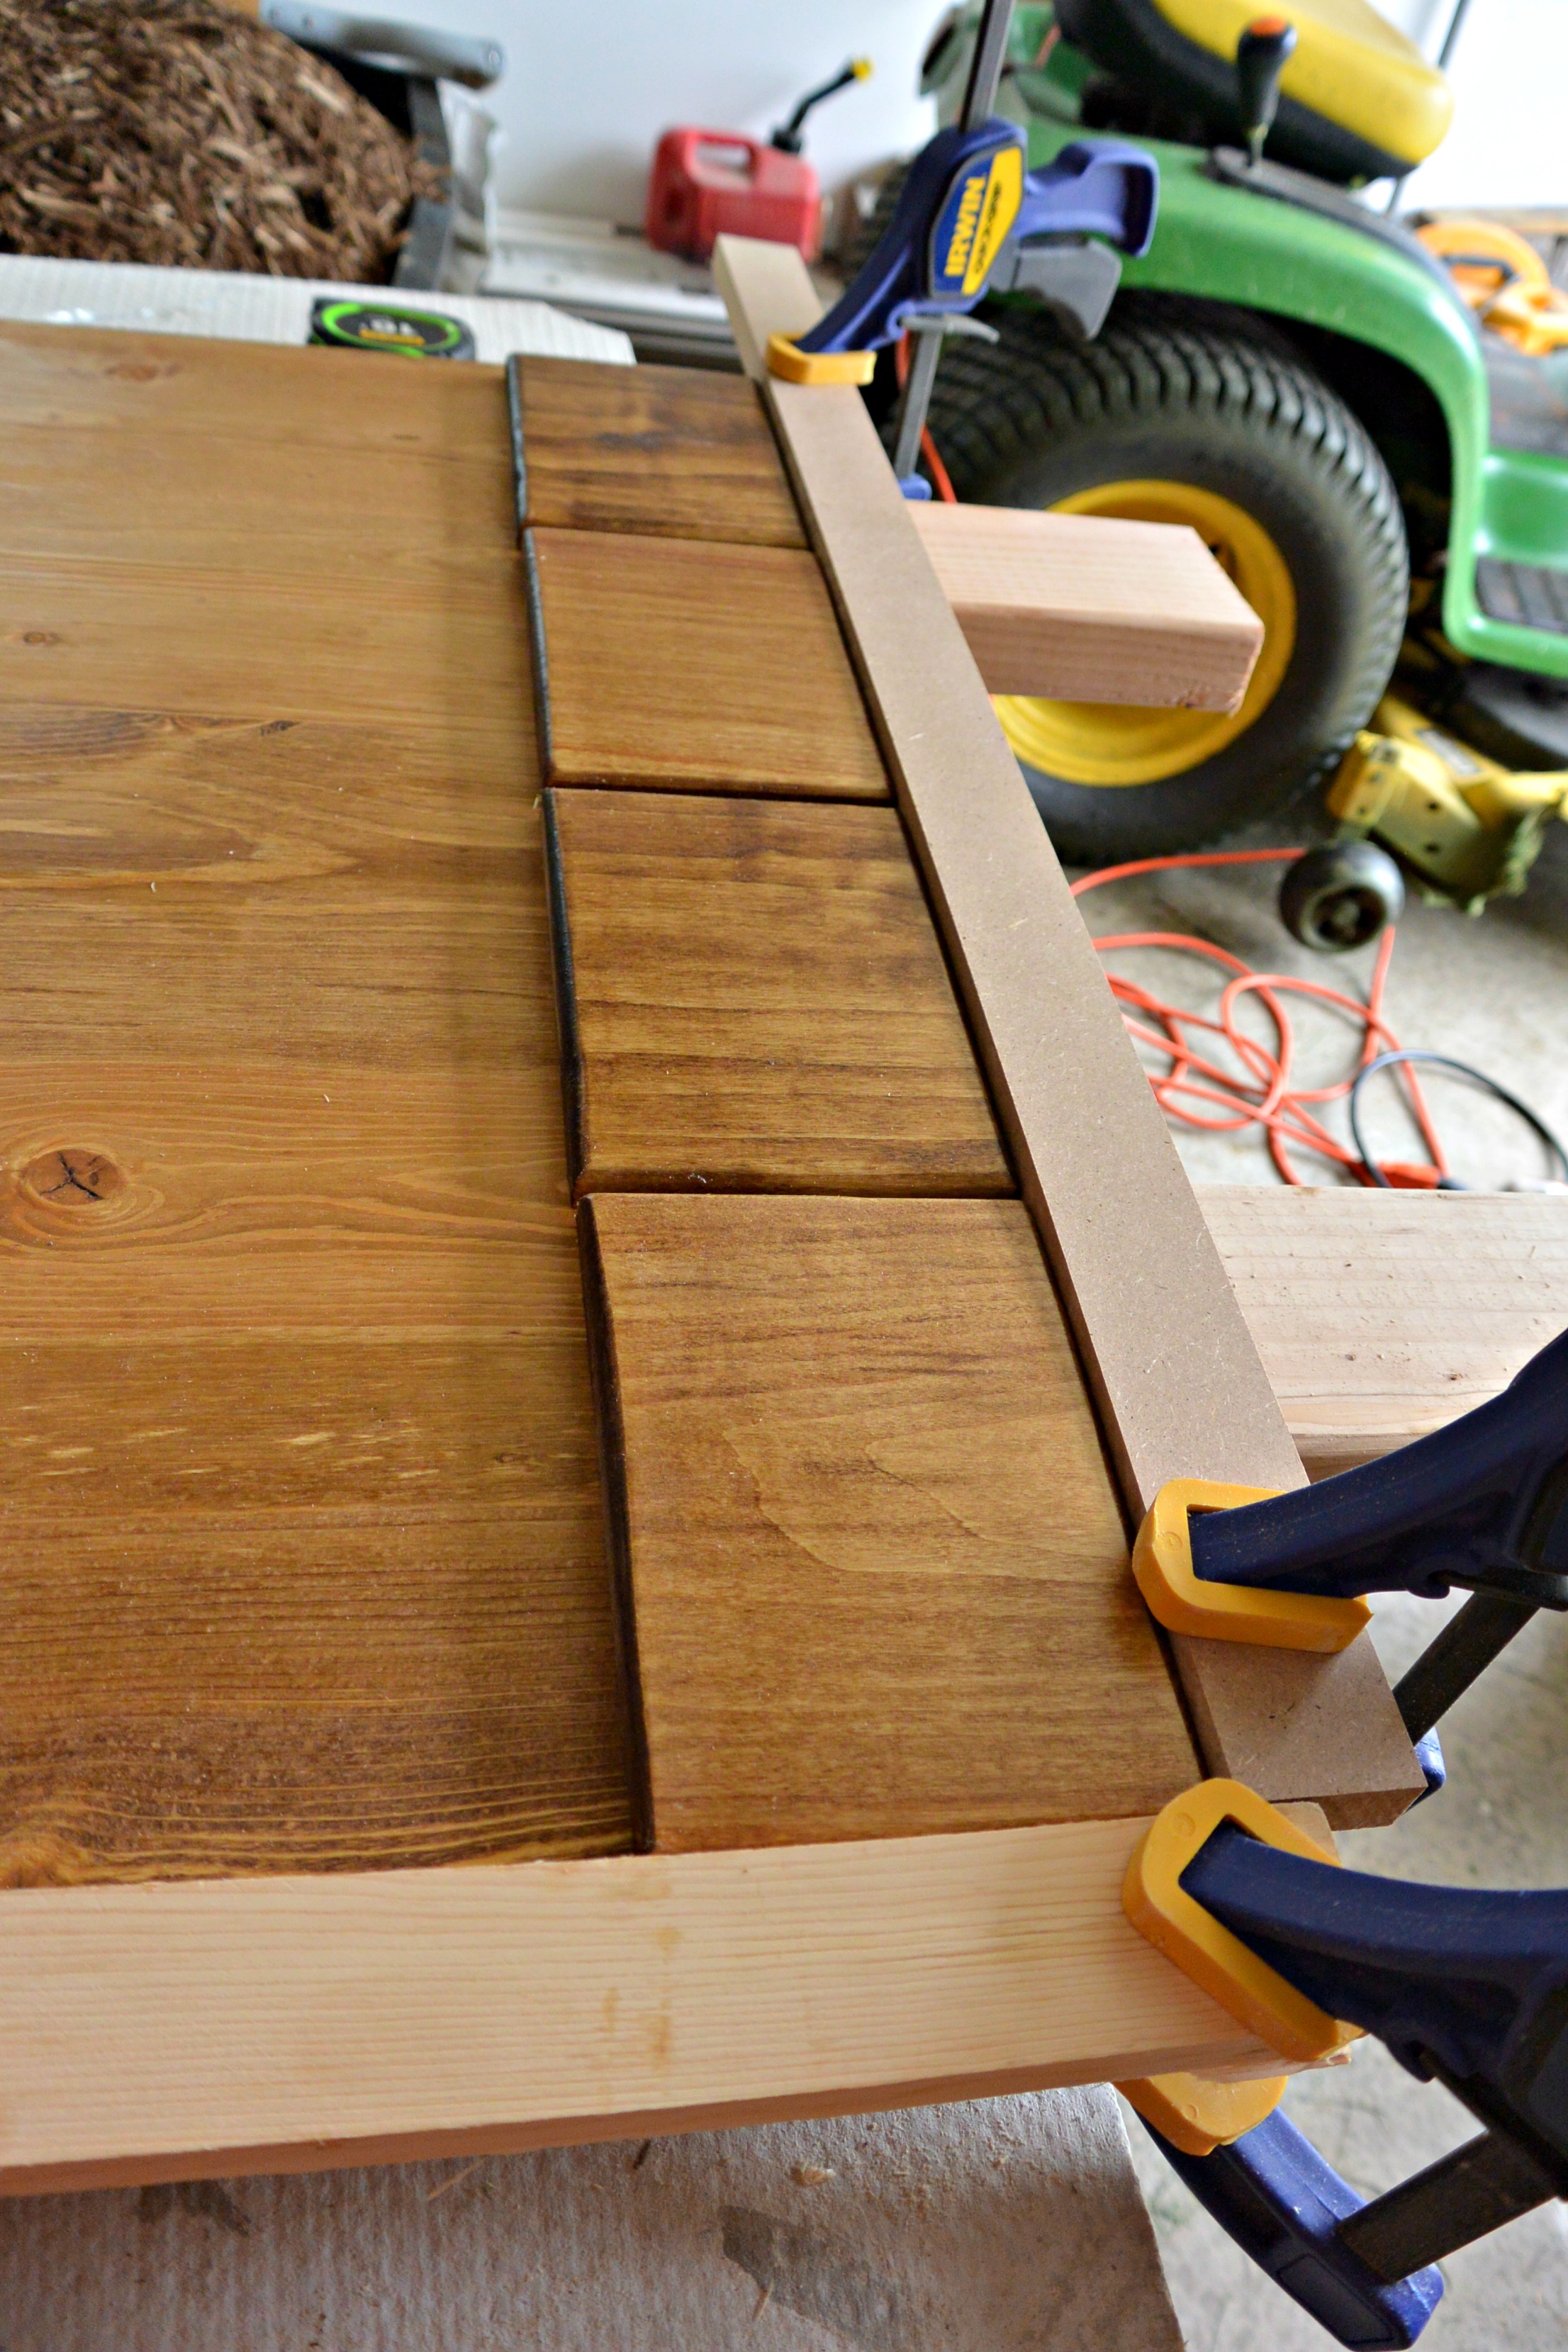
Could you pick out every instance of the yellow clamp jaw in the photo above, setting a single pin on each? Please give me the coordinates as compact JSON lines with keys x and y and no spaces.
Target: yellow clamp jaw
{"x":1197,"y":2116}
{"x":1193,"y":2114}
{"x":786,"y":359}
{"x":1183,"y":1603}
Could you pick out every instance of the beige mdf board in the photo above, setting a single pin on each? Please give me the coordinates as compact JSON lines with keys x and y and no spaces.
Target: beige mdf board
{"x":1177,"y":1381}
{"x":674,"y":453}
{"x":1381,"y":1315}
{"x":1089,"y":608}
{"x":672,"y":664}
{"x":870,"y":1555}
{"x":754,"y":998}
{"x":302,"y":1562}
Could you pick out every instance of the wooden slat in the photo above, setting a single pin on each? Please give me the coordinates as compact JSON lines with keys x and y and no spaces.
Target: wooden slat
{"x":1089,"y":608}
{"x":755,"y":998}
{"x":872,"y":1553}
{"x":301,"y":1559}
{"x":1176,"y":1377}
{"x":663,"y":662}
{"x":1381,"y":1315}
{"x":667,"y":452}
{"x":287,"y":2024}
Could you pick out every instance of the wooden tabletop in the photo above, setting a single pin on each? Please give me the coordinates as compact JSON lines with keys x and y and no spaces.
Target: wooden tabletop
{"x":301,"y":1547}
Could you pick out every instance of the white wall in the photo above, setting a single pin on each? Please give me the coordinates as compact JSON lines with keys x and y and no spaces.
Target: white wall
{"x":590,"y":84}
{"x":1508,"y":144}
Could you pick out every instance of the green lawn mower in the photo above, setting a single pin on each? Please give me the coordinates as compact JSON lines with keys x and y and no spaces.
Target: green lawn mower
{"x":1298,"y":377}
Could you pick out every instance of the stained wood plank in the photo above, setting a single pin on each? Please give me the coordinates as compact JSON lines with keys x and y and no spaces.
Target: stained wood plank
{"x":1382,"y":1315}
{"x":875,"y":1562}
{"x":1176,"y":1376}
{"x":675,"y":664}
{"x":674,"y":453}
{"x":109,"y":382}
{"x":1090,"y":608}
{"x":755,"y":999}
{"x":288,"y":2024}
{"x":302,"y":1562}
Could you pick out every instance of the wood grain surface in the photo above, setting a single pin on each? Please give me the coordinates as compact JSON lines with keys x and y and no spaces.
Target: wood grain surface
{"x":1382,"y":1315}
{"x":300,"y":1550}
{"x":756,"y":1000}
{"x":674,"y":664}
{"x":1177,"y":1379}
{"x":287,"y":2024}
{"x":1091,"y":608}
{"x":670,"y":453}
{"x":877,"y":1568}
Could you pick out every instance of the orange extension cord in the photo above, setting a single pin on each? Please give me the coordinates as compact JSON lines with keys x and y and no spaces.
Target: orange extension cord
{"x":1264,"y":1097}
{"x":938,"y":473}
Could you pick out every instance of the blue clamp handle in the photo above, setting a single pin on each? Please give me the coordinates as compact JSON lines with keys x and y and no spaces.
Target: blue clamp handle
{"x":1096,"y":188}
{"x":1272,"y":2192}
{"x":1483,"y":1503}
{"x":1464,"y":1987}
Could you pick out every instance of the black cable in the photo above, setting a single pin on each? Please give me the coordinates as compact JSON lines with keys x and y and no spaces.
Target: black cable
{"x":1443,"y":1062}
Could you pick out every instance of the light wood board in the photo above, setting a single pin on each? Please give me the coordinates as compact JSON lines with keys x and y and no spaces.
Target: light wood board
{"x":673,"y":453}
{"x":667,"y":662}
{"x":754,"y":999}
{"x":1089,"y":608}
{"x":1382,"y":1315}
{"x":295,"y":2023}
{"x":302,"y":1558}
{"x":1176,"y":1377}
{"x":872,"y":1553}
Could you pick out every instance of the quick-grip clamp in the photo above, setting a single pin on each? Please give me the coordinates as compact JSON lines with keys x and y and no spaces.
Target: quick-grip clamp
{"x":1482,"y":1504}
{"x":1168,"y":1579}
{"x":1468,"y":1989}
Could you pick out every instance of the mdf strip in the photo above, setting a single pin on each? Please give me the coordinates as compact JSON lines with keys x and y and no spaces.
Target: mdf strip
{"x":1179,"y":1385}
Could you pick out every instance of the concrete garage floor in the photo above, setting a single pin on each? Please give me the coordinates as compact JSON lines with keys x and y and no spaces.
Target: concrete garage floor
{"x":1494,"y":993}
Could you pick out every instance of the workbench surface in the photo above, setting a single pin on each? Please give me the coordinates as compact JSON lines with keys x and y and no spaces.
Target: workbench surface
{"x":301,"y":1542}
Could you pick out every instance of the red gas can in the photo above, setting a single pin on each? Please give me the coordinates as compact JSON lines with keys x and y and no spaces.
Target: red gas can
{"x":705,"y":183}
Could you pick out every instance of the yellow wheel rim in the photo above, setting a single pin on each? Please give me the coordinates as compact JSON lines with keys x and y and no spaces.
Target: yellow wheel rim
{"x":1121,"y":743}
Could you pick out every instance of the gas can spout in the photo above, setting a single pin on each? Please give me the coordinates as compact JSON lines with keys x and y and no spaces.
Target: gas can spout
{"x":790,"y":136}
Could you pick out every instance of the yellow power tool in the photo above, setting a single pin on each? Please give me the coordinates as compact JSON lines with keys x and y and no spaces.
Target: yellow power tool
{"x":1466,"y":829}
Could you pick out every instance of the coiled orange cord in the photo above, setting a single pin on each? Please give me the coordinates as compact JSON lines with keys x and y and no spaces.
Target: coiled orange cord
{"x":1264,"y":1097}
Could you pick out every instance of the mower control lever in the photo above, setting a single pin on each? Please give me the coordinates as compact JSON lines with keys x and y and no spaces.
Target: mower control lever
{"x":1261,"y":56}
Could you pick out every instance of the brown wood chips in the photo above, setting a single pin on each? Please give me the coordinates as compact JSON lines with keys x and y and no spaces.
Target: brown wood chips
{"x":178,"y":132}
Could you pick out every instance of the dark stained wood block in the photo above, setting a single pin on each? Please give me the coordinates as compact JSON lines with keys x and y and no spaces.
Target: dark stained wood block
{"x":671,"y":664}
{"x":869,"y":1544}
{"x":302,"y":1553}
{"x":668,"y":452}
{"x":754,"y":998}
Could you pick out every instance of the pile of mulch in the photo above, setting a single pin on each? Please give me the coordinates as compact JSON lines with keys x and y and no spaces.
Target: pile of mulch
{"x":180,"y":132}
